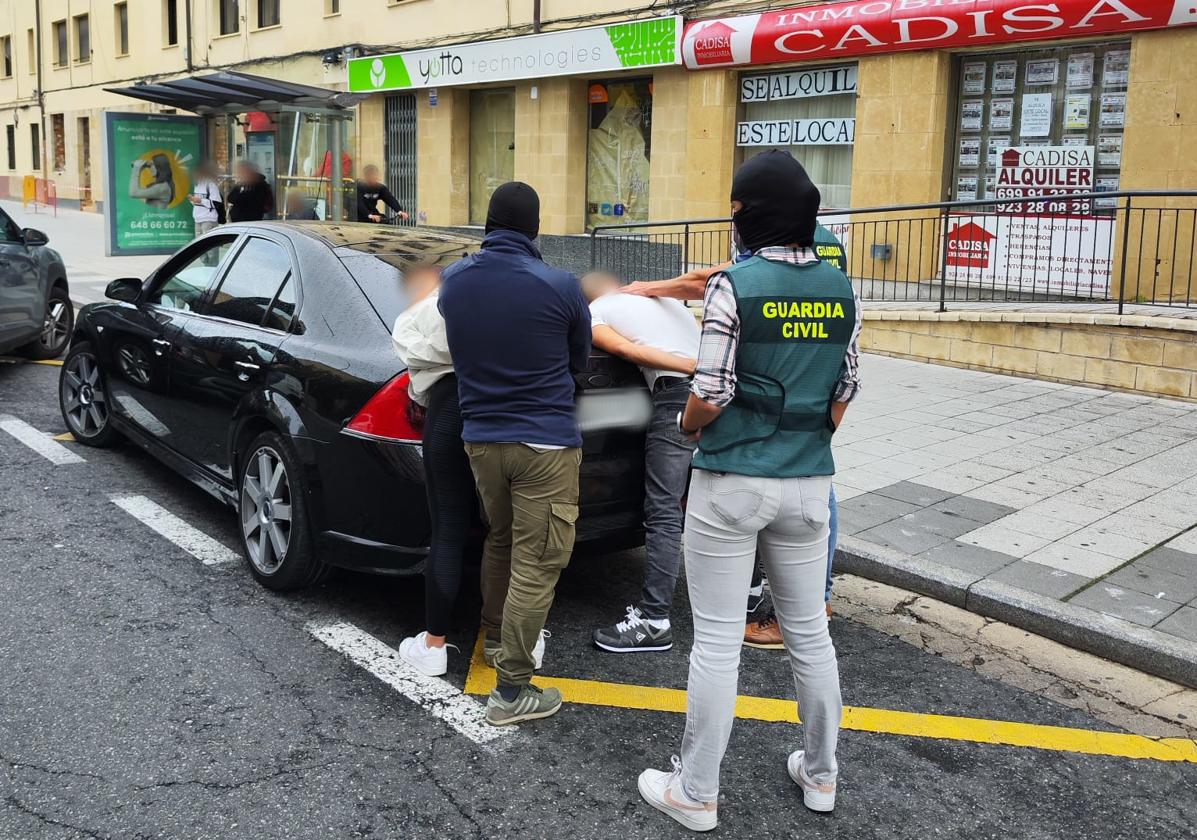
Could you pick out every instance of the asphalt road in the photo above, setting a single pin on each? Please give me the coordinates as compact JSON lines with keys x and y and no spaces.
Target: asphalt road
{"x":144,"y":694}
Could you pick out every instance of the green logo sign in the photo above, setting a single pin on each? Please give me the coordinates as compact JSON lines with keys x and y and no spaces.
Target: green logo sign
{"x":644,"y":42}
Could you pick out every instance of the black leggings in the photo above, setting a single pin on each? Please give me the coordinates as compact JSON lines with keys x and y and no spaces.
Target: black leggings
{"x":451,"y":503}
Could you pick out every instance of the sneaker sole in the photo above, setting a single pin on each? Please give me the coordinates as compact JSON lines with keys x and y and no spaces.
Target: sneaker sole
{"x":760,"y":646}
{"x":680,"y":818}
{"x":611,"y":649}
{"x":817,"y":807}
{"x":524,"y":717}
{"x":423,"y":671}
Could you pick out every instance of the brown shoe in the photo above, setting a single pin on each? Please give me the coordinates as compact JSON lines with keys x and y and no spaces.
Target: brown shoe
{"x":764,"y":634}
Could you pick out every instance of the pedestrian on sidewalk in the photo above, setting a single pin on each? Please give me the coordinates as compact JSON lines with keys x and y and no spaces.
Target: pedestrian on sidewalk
{"x":773,"y":379}
{"x":370,"y":191}
{"x":421,"y":342}
{"x":250,"y":199}
{"x":660,"y":335}
{"x":517,"y":328}
{"x":207,"y":204}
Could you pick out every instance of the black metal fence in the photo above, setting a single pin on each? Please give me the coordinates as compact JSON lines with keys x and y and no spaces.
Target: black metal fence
{"x":1135,"y":247}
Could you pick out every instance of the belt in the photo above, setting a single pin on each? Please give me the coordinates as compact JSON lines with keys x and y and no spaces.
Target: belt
{"x":664,"y":382}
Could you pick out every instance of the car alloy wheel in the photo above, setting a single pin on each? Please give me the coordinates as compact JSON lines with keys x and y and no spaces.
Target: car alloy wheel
{"x":266,"y":510}
{"x":85,"y":401}
{"x":56,"y":327}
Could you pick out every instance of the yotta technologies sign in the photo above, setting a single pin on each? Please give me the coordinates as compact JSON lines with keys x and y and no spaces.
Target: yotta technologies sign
{"x":620,"y":46}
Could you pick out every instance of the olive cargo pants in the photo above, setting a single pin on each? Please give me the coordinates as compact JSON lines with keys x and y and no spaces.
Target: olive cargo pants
{"x":530,"y":498}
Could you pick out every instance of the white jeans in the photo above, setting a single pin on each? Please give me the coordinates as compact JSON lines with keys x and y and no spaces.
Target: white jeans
{"x":726,"y":517}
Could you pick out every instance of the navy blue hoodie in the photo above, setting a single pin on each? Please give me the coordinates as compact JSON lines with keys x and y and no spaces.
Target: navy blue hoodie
{"x":516,"y":329}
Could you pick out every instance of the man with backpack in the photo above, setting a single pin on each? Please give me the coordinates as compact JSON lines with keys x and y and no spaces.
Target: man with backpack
{"x":207,"y":208}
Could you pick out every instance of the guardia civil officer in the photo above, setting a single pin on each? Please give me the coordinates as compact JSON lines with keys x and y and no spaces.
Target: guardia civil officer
{"x":774,"y":375}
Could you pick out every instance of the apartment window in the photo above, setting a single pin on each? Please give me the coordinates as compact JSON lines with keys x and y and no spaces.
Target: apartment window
{"x":60,"y":44}
{"x":82,"y":38}
{"x":35,"y":138}
{"x":31,"y":45}
{"x":268,"y":13}
{"x":170,"y":21}
{"x":6,"y":49}
{"x":230,"y":16}
{"x":120,"y":26}
{"x":332,"y":7}
{"x":58,"y":134}
{"x":10,"y":139}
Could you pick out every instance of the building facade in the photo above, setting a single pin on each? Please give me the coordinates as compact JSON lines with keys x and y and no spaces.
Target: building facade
{"x":885,"y":101}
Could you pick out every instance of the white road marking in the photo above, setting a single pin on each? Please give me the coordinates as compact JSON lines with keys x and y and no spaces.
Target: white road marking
{"x":438,"y":697}
{"x":39,"y":442}
{"x":192,"y":540}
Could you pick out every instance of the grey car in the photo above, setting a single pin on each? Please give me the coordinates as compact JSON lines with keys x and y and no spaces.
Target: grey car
{"x":36,"y":315}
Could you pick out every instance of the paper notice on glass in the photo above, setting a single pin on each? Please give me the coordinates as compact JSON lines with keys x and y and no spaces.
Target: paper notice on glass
{"x":971,"y":111}
{"x":1001,"y":114}
{"x":1109,"y":150}
{"x":970,"y":151}
{"x":1113,"y":110}
{"x":1075,"y":140}
{"x":974,"y":78}
{"x":1043,"y":72}
{"x":997,"y":142}
{"x":990,"y":186}
{"x":1105,"y":183}
{"x":1036,"y":117}
{"x":1076,"y":111}
{"x":1005,"y":76}
{"x":1115,"y":69}
{"x":1080,"y":70}
{"x":966,"y":188}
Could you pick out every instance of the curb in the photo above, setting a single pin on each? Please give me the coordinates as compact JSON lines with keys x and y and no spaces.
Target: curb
{"x":1078,"y":627}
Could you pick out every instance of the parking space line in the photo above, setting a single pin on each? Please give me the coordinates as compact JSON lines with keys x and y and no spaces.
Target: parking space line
{"x":481,"y":680}
{"x":39,"y":442}
{"x":192,"y":540}
{"x":438,"y":697}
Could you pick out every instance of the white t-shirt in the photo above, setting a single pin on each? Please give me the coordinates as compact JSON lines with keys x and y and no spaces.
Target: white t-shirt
{"x":209,"y":192}
{"x":661,"y":323}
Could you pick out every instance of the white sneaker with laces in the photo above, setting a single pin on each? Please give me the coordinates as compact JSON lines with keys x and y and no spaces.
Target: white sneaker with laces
{"x":664,"y":792}
{"x":428,"y":660}
{"x":818,"y":796}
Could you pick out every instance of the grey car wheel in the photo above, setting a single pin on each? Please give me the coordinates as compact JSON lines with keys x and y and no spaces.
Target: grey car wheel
{"x":57,"y":326}
{"x":266,"y":510}
{"x":84,"y":396}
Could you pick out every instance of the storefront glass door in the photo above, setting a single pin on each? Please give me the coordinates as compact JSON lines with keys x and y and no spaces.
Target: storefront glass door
{"x":492,"y":146}
{"x":618,"y":150}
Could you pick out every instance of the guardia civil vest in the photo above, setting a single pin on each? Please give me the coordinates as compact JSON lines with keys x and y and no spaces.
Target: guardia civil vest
{"x":795,"y":325}
{"x":829,"y":249}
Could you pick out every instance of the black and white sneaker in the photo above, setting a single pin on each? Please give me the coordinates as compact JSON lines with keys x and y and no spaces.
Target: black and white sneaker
{"x":633,"y":635}
{"x":756,"y":597}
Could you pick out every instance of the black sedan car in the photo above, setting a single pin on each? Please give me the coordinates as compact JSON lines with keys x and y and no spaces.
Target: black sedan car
{"x":258,"y":363}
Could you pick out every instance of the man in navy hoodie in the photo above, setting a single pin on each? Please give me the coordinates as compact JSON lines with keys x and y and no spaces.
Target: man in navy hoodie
{"x":517,"y":328}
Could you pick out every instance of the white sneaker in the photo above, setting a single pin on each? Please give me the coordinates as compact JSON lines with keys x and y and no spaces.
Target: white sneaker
{"x":431,"y":661}
{"x":818,"y":796}
{"x":664,"y":792}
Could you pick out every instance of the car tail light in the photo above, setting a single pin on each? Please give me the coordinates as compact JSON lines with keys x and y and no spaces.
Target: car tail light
{"x":390,"y":415}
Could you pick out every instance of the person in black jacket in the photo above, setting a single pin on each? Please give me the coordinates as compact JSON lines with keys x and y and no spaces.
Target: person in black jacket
{"x":370,"y":191}
{"x":251,"y":199}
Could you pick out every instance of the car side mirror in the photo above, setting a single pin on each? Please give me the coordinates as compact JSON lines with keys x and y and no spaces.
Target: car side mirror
{"x":127,"y":289}
{"x":33,"y":236}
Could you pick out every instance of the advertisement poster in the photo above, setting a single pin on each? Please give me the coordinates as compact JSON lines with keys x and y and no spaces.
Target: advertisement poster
{"x":1005,"y":76}
{"x":148,"y":179}
{"x":1056,"y":254}
{"x":997,"y":142}
{"x":966,"y":188}
{"x":1113,"y":110}
{"x":990,"y":186}
{"x":1076,"y":111}
{"x":1043,"y":72}
{"x":1106,"y":183}
{"x":1115,"y":69}
{"x":1080,"y":70}
{"x":1001,"y":114}
{"x":1075,"y":140}
{"x":971,"y":114}
{"x":1036,"y":117}
{"x":970,"y":151}
{"x":974,"y":78}
{"x":1030,"y":171}
{"x":1109,"y":150}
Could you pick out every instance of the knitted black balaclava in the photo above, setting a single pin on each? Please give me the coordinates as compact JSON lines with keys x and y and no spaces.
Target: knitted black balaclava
{"x":779,"y":202}
{"x":514,"y":206}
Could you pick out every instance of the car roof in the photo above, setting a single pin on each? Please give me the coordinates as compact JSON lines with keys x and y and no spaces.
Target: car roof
{"x":402,"y":246}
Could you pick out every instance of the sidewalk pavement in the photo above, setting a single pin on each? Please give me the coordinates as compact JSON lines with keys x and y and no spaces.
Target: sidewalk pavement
{"x":1067,"y":510}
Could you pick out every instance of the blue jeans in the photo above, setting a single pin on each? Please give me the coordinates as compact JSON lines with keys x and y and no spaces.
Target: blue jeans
{"x":834,"y":526}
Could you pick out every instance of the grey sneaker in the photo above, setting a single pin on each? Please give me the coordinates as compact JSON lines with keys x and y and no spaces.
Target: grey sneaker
{"x":633,"y":635}
{"x":491,"y":648}
{"x":531,"y":703}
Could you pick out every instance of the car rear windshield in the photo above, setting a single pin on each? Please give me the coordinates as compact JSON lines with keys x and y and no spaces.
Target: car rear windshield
{"x":381,"y":283}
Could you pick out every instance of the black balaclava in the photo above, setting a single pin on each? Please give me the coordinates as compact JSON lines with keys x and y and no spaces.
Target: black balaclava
{"x":514,"y":206}
{"x":779,"y":202}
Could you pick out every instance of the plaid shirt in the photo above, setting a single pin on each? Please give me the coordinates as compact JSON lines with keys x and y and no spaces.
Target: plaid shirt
{"x":715,"y":377}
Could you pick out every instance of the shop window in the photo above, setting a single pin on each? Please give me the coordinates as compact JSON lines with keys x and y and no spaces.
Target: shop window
{"x":809,"y":112}
{"x":61,"y":50}
{"x":1068,"y":96}
{"x":35,"y":147}
{"x":58,"y":133}
{"x":228,"y":16}
{"x":10,"y":141}
{"x":6,"y":48}
{"x":332,"y":7}
{"x":170,"y":22}
{"x":617,"y":151}
{"x":268,"y":13}
{"x":492,"y":146}
{"x":82,"y":38}
{"x":120,"y":27}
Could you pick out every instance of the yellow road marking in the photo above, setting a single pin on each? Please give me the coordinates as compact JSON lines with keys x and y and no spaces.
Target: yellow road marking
{"x":54,"y":362}
{"x":10,"y":360}
{"x":481,"y":680}
{"x":66,"y":437}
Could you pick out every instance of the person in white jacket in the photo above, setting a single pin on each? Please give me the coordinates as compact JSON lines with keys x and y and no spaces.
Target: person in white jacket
{"x":204,"y":198}
{"x":419,"y":338}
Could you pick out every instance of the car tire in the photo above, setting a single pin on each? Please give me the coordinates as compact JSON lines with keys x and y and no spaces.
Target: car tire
{"x":57,"y":324}
{"x":83,"y":397}
{"x":272,"y":510}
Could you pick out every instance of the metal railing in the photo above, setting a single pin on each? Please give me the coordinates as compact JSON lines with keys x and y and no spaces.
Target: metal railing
{"x":1130,"y":247}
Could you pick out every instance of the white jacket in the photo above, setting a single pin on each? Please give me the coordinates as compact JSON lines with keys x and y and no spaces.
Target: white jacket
{"x":420,"y":340}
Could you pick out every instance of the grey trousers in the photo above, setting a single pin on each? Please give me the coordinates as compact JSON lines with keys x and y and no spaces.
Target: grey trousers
{"x":726,"y":518}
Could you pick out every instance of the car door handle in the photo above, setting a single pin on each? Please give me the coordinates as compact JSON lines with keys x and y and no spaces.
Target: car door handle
{"x":160,"y":344}
{"x":247,"y":365}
